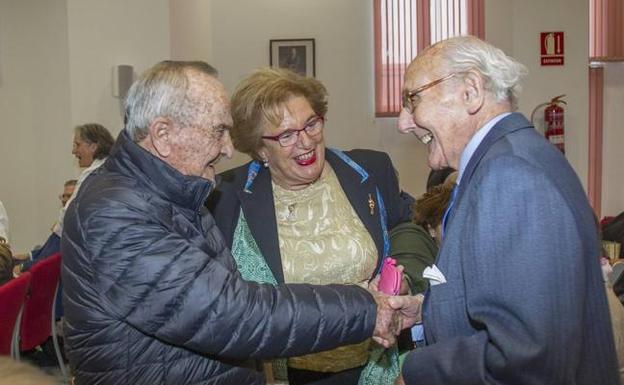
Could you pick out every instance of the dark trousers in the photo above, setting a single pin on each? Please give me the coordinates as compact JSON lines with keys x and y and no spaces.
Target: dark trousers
{"x":308,"y":377}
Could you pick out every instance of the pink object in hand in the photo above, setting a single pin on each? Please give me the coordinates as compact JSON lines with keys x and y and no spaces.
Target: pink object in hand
{"x":390,"y":277}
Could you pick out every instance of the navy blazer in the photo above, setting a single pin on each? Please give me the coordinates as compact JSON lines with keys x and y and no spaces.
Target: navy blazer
{"x":524,"y":301}
{"x":258,"y":205}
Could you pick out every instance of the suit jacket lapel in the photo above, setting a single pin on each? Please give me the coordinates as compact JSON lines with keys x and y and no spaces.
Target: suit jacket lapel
{"x":262,"y":223}
{"x":358,"y":193}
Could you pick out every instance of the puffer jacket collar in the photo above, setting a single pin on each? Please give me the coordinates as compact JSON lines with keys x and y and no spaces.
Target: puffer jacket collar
{"x":128,"y":158}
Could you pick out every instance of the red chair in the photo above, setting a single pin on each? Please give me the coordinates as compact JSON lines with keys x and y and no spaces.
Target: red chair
{"x":12,"y":296}
{"x":38,"y":316}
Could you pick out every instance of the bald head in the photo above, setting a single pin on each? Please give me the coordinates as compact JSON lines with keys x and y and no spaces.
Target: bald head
{"x":451,"y":90}
{"x":501,"y":73}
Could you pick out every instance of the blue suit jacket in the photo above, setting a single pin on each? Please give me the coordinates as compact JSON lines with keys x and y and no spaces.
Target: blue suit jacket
{"x":524,"y":301}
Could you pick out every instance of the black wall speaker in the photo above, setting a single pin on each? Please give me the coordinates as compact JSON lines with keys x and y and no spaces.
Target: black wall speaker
{"x":123,"y":76}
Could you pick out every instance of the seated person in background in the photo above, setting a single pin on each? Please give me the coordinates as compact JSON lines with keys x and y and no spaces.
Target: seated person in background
{"x":53,"y":243}
{"x":6,"y":262}
{"x":419,"y":249}
{"x":438,"y":177}
{"x":68,"y":191}
{"x":4,"y":223}
{"x":92,"y":144}
{"x":300,"y":212}
{"x":429,"y":209}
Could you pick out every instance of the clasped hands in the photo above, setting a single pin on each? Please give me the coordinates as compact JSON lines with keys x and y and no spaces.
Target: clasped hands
{"x":394,"y":313}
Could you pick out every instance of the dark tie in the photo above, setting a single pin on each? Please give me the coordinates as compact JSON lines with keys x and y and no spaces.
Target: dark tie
{"x":449,"y":208}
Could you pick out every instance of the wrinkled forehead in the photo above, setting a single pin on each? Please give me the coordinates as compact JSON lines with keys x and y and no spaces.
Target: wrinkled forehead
{"x":425,"y":68}
{"x":210,"y":98}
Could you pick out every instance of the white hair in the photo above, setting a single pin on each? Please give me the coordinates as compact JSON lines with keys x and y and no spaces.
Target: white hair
{"x":161,"y":92}
{"x":502,"y":73}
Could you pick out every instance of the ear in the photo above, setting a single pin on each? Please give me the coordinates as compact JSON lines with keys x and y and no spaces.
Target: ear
{"x":161,"y":135}
{"x":474,"y":92}
{"x":263,"y":154}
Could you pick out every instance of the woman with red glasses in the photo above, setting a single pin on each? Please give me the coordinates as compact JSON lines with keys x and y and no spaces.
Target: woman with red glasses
{"x":303,"y":213}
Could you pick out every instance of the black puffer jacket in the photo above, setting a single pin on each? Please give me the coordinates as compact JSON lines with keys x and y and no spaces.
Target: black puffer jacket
{"x":152,"y":295}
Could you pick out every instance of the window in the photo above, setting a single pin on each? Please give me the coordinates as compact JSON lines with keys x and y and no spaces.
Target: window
{"x":606,"y":44}
{"x":403,"y":28}
{"x":606,"y":35}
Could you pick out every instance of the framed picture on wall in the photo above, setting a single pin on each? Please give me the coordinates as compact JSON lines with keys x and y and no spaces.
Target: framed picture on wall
{"x":293,"y":54}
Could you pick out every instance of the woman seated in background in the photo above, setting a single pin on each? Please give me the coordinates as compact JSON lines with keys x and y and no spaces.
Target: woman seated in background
{"x":302,"y":213}
{"x":6,"y":262}
{"x":429,"y":209}
{"x":416,"y":243}
{"x":92,"y":144}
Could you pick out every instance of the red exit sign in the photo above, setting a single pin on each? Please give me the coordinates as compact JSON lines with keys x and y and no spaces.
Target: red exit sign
{"x":551,"y":48}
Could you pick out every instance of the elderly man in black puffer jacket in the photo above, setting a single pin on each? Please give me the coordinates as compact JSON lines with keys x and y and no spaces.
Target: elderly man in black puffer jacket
{"x":152,"y":295}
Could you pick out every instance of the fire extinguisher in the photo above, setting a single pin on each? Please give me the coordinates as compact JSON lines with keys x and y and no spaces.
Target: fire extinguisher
{"x":553,"y":118}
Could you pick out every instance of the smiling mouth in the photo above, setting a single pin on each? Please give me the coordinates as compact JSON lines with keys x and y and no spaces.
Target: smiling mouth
{"x":425,"y":139}
{"x":306,"y":159}
{"x":215,"y":161}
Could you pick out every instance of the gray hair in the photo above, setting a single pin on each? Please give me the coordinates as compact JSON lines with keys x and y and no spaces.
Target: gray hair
{"x":162,"y":92}
{"x":98,"y":134}
{"x":502,"y":73}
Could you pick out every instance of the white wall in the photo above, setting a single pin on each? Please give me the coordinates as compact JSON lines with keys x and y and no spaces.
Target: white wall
{"x":529,"y":18}
{"x":191,"y":29}
{"x":103,"y":34}
{"x":239,"y":40}
{"x":239,"y":36}
{"x":56,"y":60}
{"x":514,"y":25}
{"x":34,"y":106}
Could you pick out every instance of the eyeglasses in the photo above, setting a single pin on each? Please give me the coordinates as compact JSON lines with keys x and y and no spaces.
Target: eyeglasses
{"x":412,"y":98}
{"x":290,"y":137}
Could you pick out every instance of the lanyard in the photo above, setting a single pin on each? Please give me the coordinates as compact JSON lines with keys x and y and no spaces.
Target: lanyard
{"x":252,"y":173}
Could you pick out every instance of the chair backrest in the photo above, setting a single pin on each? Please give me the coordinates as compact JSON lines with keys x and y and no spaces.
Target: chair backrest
{"x":616,"y":271}
{"x":36,"y":324}
{"x":12,"y":296}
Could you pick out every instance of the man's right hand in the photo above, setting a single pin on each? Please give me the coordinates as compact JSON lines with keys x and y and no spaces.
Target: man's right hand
{"x":409,"y":308}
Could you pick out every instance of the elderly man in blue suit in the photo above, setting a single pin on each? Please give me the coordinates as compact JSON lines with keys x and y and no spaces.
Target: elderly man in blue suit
{"x":517,"y":295}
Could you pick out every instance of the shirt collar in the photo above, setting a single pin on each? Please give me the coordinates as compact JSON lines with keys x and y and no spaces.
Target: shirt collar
{"x":474,"y":143}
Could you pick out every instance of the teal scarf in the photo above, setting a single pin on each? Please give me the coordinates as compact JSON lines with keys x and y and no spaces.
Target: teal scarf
{"x":383,"y":365}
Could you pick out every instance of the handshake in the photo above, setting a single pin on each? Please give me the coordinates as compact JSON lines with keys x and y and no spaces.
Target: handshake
{"x":394,"y":313}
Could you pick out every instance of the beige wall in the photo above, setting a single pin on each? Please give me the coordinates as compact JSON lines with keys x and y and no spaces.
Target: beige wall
{"x":515,"y":26}
{"x":56,"y":60}
{"x":34,"y":106}
{"x":241,"y":30}
{"x":102,"y":35}
{"x":239,"y":37}
{"x":191,"y":29}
